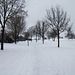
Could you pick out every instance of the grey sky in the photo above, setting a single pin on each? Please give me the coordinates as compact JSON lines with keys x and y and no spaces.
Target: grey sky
{"x":37,"y":9}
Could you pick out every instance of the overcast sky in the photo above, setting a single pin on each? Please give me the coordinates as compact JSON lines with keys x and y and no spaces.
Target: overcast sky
{"x":37,"y":9}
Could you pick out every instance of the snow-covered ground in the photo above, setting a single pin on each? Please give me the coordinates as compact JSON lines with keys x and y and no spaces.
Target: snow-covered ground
{"x":38,"y":58}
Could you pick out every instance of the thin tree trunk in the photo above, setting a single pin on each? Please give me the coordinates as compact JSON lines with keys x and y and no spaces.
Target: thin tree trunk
{"x":15,"y":34}
{"x":31,"y":37}
{"x":2,"y":39}
{"x":42,"y":37}
{"x":43,"y":40}
{"x":3,"y":27}
{"x":28,"y":42}
{"x":43,"y":32}
{"x":58,"y":39}
{"x":36,"y":36}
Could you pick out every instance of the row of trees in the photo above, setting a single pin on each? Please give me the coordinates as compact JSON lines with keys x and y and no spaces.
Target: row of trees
{"x":38,"y":30}
{"x":56,"y":22}
{"x":12,"y":15}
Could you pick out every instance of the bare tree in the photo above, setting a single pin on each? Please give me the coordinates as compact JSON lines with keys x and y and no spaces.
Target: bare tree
{"x":7,"y":9}
{"x":39,"y":29}
{"x":44,"y":29}
{"x":27,"y":37}
{"x":53,"y":35}
{"x":48,"y":34}
{"x":36,"y":32}
{"x":31,"y":31}
{"x":57,"y":20}
{"x":16,"y":25}
{"x":70,"y":34}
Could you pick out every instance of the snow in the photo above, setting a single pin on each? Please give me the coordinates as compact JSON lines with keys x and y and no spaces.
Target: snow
{"x":38,"y":58}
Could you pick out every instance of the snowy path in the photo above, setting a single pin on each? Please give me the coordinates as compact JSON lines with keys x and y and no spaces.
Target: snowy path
{"x":37,"y":59}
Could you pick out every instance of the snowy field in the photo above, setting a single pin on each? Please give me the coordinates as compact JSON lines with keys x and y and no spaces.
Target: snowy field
{"x":38,"y":59}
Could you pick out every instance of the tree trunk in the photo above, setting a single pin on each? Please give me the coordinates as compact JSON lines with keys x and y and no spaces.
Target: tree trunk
{"x":3,"y":27}
{"x":15,"y":34}
{"x":36,"y":36}
{"x":15,"y":39}
{"x":31,"y":38}
{"x":43,"y":32}
{"x":58,"y":39}
{"x":28,"y":42}
{"x":43,"y":40}
{"x":2,"y":39}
